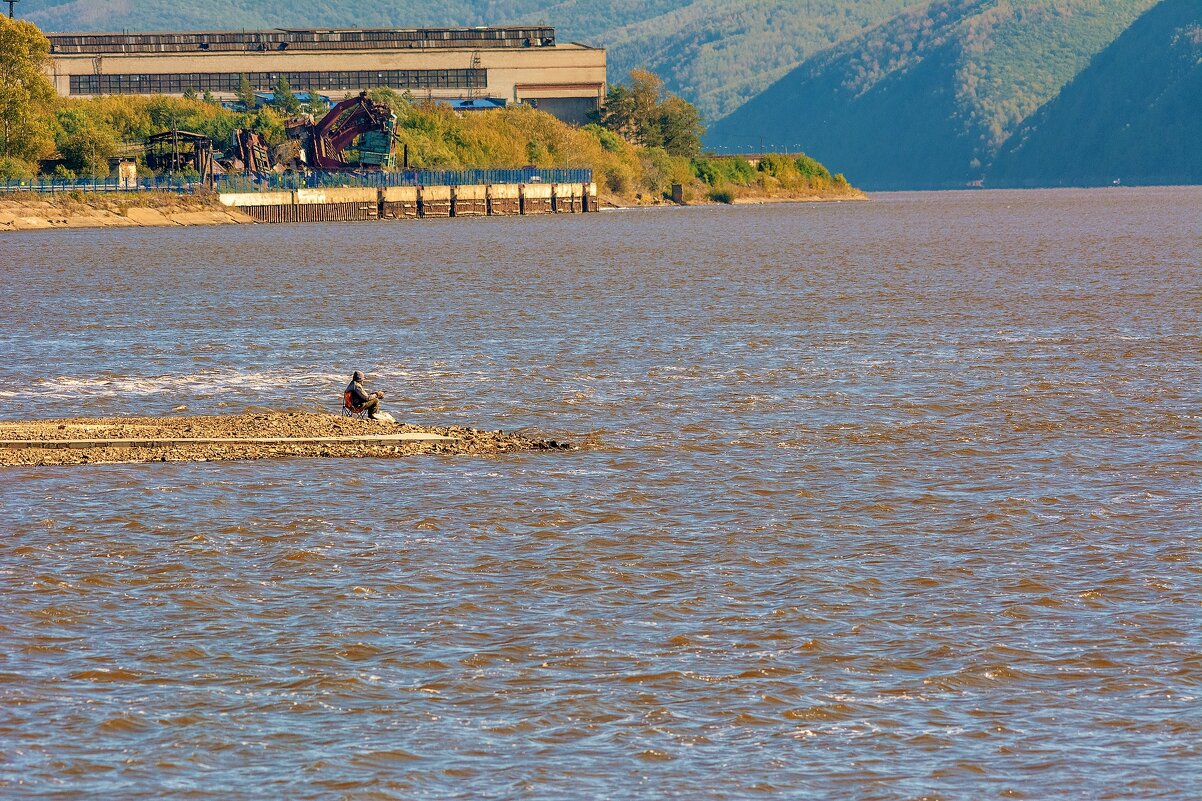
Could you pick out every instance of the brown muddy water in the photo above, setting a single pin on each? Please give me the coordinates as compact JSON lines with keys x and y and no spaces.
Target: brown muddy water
{"x":894,"y":500}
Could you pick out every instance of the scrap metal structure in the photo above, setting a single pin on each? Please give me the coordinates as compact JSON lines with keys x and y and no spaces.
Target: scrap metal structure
{"x":178,"y":151}
{"x":358,"y":124}
{"x":250,"y":152}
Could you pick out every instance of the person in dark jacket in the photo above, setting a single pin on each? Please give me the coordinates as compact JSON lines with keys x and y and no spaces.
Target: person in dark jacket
{"x":370,"y":401}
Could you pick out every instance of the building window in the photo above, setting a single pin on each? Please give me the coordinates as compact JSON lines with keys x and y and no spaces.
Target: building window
{"x":176,"y":83}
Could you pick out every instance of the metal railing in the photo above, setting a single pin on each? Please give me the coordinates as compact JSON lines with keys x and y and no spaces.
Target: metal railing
{"x":52,"y":186}
{"x":272,"y":182}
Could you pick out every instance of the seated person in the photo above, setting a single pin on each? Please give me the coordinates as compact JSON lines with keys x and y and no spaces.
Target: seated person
{"x":360,"y":398}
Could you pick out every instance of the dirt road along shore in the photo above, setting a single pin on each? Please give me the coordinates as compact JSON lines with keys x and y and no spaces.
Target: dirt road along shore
{"x":175,"y":439}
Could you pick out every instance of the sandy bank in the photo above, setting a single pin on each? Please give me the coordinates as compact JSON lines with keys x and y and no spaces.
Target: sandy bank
{"x":832,"y":197}
{"x":262,"y":425}
{"x":27,"y":211}
{"x":745,"y":198}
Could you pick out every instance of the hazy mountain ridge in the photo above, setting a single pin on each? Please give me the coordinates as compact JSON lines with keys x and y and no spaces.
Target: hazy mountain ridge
{"x":1133,"y":116}
{"x":719,"y":54}
{"x":927,"y":98}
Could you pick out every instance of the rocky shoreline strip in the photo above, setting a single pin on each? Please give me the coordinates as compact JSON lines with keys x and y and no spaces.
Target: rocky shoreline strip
{"x":174,"y":439}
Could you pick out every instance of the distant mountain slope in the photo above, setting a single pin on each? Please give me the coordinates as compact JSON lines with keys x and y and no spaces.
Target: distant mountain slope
{"x":716,"y":53}
{"x":1134,"y":115}
{"x":925,"y":100}
{"x":719,"y":54}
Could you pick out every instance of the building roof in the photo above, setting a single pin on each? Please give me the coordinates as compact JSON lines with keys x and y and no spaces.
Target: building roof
{"x":303,"y":97}
{"x":302,"y":39}
{"x":474,"y":104}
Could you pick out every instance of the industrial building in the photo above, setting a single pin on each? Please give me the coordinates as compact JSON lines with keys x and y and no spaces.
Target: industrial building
{"x":517,"y":65}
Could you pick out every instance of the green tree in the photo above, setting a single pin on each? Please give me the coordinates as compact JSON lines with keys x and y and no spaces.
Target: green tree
{"x":26,"y":95}
{"x":318,"y":107}
{"x":400,"y":102}
{"x":285,"y":101}
{"x":680,"y":127}
{"x":632,"y":111}
{"x":246,"y":94}
{"x":267,"y":122}
{"x":207,"y":97}
{"x":190,"y":94}
{"x":639,"y":114}
{"x":85,"y":145}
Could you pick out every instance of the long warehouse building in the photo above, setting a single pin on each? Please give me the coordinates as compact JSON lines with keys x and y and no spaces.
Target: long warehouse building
{"x":518,"y":65}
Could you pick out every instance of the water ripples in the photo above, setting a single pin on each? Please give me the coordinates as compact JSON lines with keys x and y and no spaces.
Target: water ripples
{"x":891,"y":501}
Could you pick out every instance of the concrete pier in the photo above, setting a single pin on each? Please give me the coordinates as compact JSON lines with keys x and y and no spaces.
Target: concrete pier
{"x":435,"y":201}
{"x":470,"y":201}
{"x":570,"y":198}
{"x":399,"y":203}
{"x":504,"y":199}
{"x":537,"y":198}
{"x":347,"y":204}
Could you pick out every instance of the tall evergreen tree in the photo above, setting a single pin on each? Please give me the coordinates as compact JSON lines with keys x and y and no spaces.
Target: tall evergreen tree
{"x":285,"y":101}
{"x":246,"y":94}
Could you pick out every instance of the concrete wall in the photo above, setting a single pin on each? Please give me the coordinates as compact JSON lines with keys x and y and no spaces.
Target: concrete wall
{"x":256,"y":199}
{"x":569,"y":198}
{"x":399,"y":202}
{"x":399,"y":194}
{"x":471,"y":201}
{"x":504,"y":199}
{"x":338,"y":195}
{"x":434,"y":201}
{"x":536,"y":198}
{"x":402,"y":202}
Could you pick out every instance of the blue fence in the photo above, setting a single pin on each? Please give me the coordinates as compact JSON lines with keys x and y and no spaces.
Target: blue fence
{"x":180,"y":186}
{"x":270,"y":182}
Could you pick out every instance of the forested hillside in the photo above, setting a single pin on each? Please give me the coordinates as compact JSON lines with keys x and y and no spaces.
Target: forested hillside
{"x":715,"y":53}
{"x":718,"y":54}
{"x":1133,"y":116}
{"x":926,"y":99}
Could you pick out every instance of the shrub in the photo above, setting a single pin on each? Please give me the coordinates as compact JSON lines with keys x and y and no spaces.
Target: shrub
{"x":723,"y":194}
{"x":86,"y":145}
{"x":716,"y":170}
{"x":15,"y":169}
{"x":606,"y":138}
{"x":810,"y":168}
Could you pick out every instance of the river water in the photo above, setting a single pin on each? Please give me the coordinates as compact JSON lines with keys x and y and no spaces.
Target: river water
{"x":889,"y":500}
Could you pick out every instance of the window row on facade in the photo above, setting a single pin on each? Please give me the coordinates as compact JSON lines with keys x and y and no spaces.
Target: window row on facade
{"x":300,"y":40}
{"x":176,"y":83}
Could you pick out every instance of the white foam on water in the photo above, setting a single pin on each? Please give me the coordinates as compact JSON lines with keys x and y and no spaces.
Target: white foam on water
{"x":203,"y":384}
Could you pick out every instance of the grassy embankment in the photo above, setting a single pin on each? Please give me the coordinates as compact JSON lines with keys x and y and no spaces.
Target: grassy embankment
{"x":439,"y":138}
